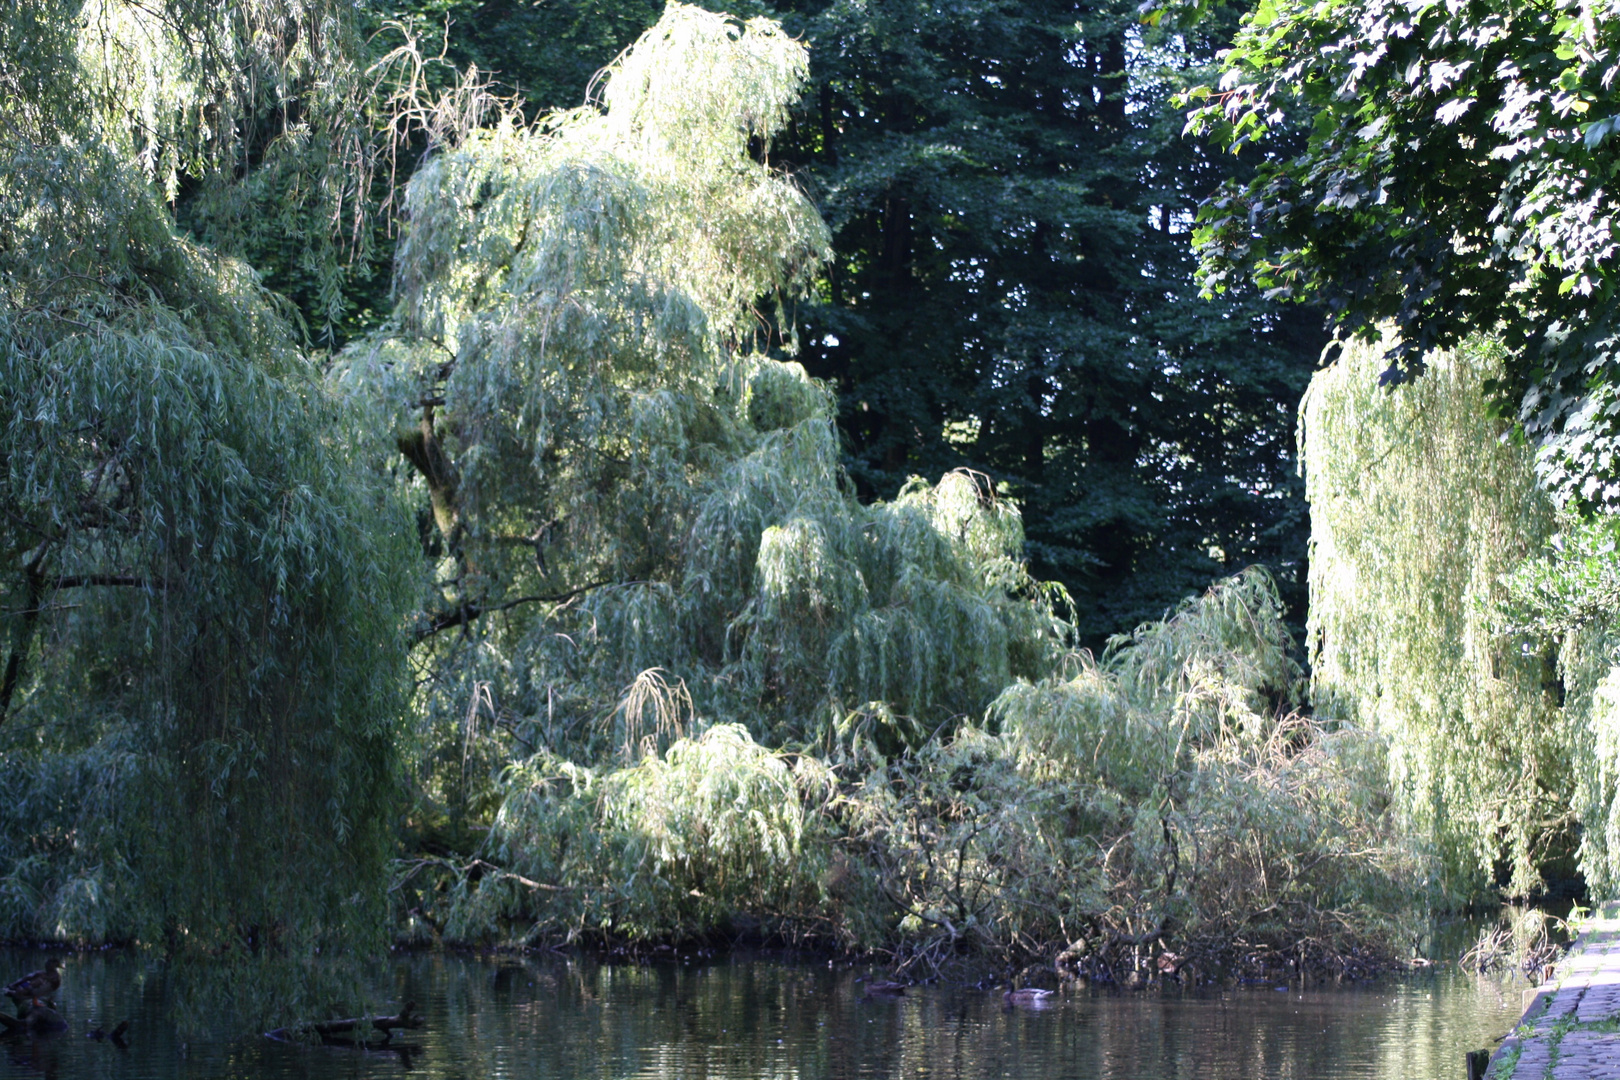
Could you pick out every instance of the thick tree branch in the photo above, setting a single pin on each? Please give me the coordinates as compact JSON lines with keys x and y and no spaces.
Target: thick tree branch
{"x":439,"y":621}
{"x":423,"y":450}
{"x":37,"y":586}
{"x":23,"y":636}
{"x":79,"y":581}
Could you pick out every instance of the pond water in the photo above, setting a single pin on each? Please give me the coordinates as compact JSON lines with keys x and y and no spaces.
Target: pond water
{"x":755,"y":1017}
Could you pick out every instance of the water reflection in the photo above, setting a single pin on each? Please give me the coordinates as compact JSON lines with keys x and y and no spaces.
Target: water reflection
{"x":762,"y":1018}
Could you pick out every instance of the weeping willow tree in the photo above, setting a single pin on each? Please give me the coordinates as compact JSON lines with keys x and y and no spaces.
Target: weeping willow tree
{"x":621,"y":475}
{"x":1566,"y":602}
{"x":681,"y":682}
{"x":1230,"y":824}
{"x":1419,"y":508}
{"x":200,"y":582}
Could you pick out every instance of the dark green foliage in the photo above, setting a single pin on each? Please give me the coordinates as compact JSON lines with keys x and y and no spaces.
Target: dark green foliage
{"x":1012,"y":291}
{"x":1457,"y":179}
{"x":198,"y":580}
{"x":200,"y":587}
{"x":547,"y":52}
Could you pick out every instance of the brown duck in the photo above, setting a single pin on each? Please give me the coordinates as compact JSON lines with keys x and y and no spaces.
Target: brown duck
{"x":1028,"y":997}
{"x":37,"y":984}
{"x":884,"y":989}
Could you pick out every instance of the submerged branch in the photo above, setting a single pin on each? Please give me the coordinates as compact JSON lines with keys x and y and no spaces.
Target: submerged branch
{"x":407,"y":1018}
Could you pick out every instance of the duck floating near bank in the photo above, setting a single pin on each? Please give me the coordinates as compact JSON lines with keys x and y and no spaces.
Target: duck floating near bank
{"x":41,"y":984}
{"x":884,"y":989}
{"x":1029,"y":997}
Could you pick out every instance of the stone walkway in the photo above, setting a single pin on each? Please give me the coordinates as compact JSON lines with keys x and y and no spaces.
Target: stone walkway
{"x":1571,"y":1031}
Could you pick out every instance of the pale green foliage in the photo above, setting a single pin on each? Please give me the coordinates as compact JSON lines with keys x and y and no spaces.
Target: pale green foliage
{"x":1218,"y":806}
{"x":920,"y":604}
{"x":180,"y":87}
{"x":671,"y":846}
{"x":623,"y":471}
{"x":1573,"y":586}
{"x":1593,"y":713}
{"x":1217,"y":672}
{"x":1565,"y":601}
{"x":1419,"y":506}
{"x":1225,"y":651}
{"x":263,"y":107}
{"x":1161,"y":791}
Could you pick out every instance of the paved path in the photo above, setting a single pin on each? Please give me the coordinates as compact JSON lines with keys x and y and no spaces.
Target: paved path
{"x":1571,"y":1031}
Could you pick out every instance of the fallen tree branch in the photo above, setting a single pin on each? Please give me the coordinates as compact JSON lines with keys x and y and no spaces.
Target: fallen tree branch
{"x":507,"y":875}
{"x":1117,"y":938}
{"x":483,"y":868}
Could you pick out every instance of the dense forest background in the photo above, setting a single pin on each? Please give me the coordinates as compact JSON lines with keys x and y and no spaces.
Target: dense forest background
{"x":515,"y":473}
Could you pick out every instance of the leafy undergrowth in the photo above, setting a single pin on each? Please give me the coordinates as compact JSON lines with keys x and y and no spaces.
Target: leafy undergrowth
{"x":1160,"y":811}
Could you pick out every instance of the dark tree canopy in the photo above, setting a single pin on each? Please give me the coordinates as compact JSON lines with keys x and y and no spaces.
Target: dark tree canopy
{"x":1013,"y":291}
{"x":1457,"y":179}
{"x":201,"y":583}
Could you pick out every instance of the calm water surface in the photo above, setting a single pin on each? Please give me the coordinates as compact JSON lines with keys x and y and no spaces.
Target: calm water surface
{"x":753,"y":1018}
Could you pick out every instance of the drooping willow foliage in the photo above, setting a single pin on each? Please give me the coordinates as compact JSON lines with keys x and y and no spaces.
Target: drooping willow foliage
{"x":202,"y":584}
{"x":714,"y":692}
{"x":1228,"y":816}
{"x":670,"y":675}
{"x":1566,"y":601}
{"x":257,"y":121}
{"x":1163,"y":798}
{"x":619,"y":471}
{"x":1419,"y":508}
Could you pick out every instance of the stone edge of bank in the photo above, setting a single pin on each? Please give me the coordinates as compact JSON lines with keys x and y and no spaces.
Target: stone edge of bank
{"x":1570,"y":1029}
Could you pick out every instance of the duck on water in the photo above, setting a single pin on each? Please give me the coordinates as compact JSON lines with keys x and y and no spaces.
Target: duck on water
{"x":1028,"y":997}
{"x":41,"y":985}
{"x":35,"y":997}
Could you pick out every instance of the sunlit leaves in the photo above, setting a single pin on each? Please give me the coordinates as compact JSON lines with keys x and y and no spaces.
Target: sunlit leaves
{"x":1418,"y":510}
{"x":1169,"y":786}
